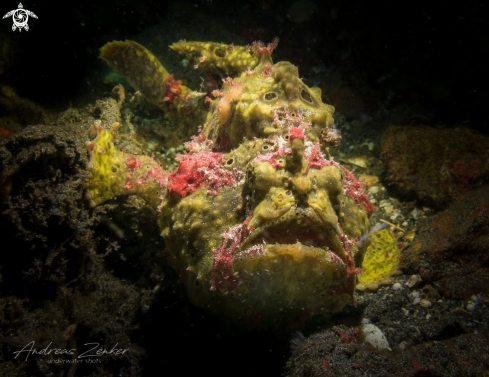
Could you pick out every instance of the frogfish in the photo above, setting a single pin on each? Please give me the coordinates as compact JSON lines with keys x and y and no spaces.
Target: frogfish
{"x":258,"y":220}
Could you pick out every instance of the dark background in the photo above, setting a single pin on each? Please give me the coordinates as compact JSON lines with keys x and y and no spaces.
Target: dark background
{"x":432,"y":56}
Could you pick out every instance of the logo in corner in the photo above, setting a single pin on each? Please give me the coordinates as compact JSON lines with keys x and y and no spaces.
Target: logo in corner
{"x":20,"y":17}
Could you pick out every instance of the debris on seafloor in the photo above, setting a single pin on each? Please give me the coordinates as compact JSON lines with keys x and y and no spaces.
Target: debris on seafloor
{"x":357,"y":161}
{"x":373,"y":335}
{"x":413,"y":281}
{"x":409,"y":236}
{"x":369,"y":180}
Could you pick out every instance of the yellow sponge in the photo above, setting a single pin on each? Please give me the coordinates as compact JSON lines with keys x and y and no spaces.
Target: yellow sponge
{"x":380,"y":262}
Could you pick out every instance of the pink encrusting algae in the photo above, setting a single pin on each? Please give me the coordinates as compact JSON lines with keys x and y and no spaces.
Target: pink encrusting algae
{"x":222,"y":273}
{"x":355,"y":189}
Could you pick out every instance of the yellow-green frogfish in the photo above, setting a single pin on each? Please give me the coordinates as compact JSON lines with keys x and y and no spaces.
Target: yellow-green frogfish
{"x":258,"y":220}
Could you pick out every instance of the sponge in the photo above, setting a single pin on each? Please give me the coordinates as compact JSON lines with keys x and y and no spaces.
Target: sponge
{"x":380,"y":262}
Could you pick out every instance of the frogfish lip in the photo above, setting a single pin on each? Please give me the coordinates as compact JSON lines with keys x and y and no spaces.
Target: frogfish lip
{"x":296,"y":227}
{"x":292,"y":282}
{"x":293,"y":268}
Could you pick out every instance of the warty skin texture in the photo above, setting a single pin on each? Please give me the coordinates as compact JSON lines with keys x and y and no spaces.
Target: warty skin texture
{"x":255,"y":219}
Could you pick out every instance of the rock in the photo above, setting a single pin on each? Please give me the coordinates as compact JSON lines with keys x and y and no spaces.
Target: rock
{"x":396,"y":286}
{"x":413,"y":281}
{"x":369,"y":180}
{"x":459,"y":312}
{"x":358,"y":161}
{"x":450,"y":251}
{"x":435,"y":166}
{"x":374,"y":190}
{"x":425,"y":303}
{"x":409,"y":262}
{"x":373,"y":335}
{"x":430,"y":293}
{"x":388,"y":209}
